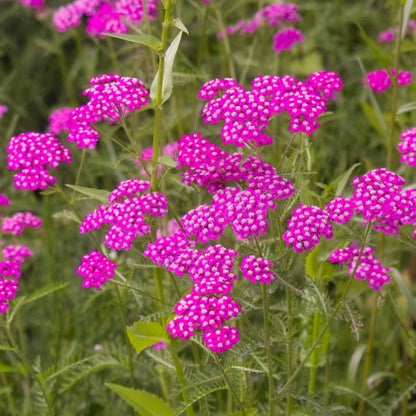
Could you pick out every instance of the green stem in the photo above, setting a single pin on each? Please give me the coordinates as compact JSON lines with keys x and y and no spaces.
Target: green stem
{"x":227,"y":380}
{"x":157,"y":128}
{"x":391,"y":137}
{"x":330,"y":317}
{"x":8,"y":389}
{"x":129,"y":346}
{"x":289,"y":403}
{"x":314,"y":368}
{"x":181,"y":377}
{"x":369,"y":351}
{"x":81,"y":165}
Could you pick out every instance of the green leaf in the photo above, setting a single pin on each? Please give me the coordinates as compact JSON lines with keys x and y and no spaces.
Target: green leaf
{"x":407,"y":107}
{"x":317,"y":266}
{"x":179,"y":24}
{"x":407,"y":10}
{"x":383,"y":57}
{"x":147,"y":404}
{"x":143,"y":334}
{"x":405,"y":289}
{"x":98,"y":194}
{"x":18,"y":368}
{"x":342,"y":180}
{"x":66,"y":214}
{"x":168,"y":161}
{"x":145,"y":40}
{"x":167,"y":84}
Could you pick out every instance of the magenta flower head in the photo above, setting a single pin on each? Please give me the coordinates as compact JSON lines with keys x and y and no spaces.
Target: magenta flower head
{"x":4,"y":200}
{"x":97,"y":269}
{"x":306,"y":227}
{"x":60,"y":120}
{"x":8,"y":289}
{"x":285,"y":39}
{"x":110,"y":96}
{"x":17,"y":253}
{"x":366,"y":267}
{"x":257,"y":269}
{"x":380,"y":80}
{"x":16,"y":223}
{"x":407,"y":147}
{"x":31,"y":153}
{"x":37,"y":4}
{"x":3,"y":109}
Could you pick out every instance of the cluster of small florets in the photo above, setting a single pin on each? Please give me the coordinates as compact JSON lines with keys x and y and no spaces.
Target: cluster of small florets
{"x":61,"y":120}
{"x":104,"y":16}
{"x":379,"y":197}
{"x":388,"y":35}
{"x":273,"y":15}
{"x":257,"y":269}
{"x":381,"y":80}
{"x":36,"y":4}
{"x":111,"y":96}
{"x":407,"y":147}
{"x":126,"y":218}
{"x":341,"y":209}
{"x":31,"y":153}
{"x":97,"y":269}
{"x":364,"y":267}
{"x":13,"y":255}
{"x":3,"y":109}
{"x":17,"y":222}
{"x":306,"y":227}
{"x":285,"y":39}
{"x":247,"y":113}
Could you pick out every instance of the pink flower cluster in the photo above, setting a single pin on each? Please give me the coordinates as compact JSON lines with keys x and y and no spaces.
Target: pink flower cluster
{"x":247,"y":113}
{"x":257,"y":269}
{"x":37,"y":4}
{"x":207,"y":306}
{"x":275,"y":14}
{"x":61,"y":120}
{"x":17,"y":222}
{"x":31,"y":153}
{"x":378,"y":196}
{"x":285,"y":39}
{"x":97,"y":269}
{"x":13,"y":256}
{"x":407,"y":146}
{"x":366,"y":267}
{"x":110,"y":96}
{"x":104,"y":16}
{"x":380,"y":80}
{"x":126,"y":217}
{"x":3,"y":109}
{"x":389,"y":34}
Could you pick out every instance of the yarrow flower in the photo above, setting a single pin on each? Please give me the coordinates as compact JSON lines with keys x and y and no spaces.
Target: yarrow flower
{"x":127,"y":217}
{"x":306,"y":227}
{"x":4,"y":200}
{"x":104,"y":16}
{"x":17,"y":222}
{"x":3,"y":109}
{"x":8,"y":289}
{"x":16,"y":253}
{"x":97,"y":269}
{"x":37,"y":4}
{"x":388,"y":35}
{"x":380,"y":80}
{"x":275,"y":14}
{"x":31,"y":153}
{"x":257,"y":269}
{"x":110,"y":97}
{"x":61,"y":120}
{"x":285,"y":39}
{"x":364,"y":267}
{"x":407,"y":146}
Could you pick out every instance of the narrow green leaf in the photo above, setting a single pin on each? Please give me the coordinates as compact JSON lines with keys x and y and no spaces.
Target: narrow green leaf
{"x":4,"y":368}
{"x":342,"y":180}
{"x":405,"y":289}
{"x":179,"y":24}
{"x":98,"y":194}
{"x":167,"y":85}
{"x":249,"y":412}
{"x":168,"y":161}
{"x":407,"y":107}
{"x":4,"y":347}
{"x":383,"y":57}
{"x":145,"y":40}
{"x":407,"y":10}
{"x":317,"y":266}
{"x":66,"y":214}
{"x":143,"y":334}
{"x":147,"y":404}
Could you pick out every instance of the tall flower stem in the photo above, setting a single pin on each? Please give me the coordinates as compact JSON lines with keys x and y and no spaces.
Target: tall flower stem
{"x":157,"y":128}
{"x":393,"y":110}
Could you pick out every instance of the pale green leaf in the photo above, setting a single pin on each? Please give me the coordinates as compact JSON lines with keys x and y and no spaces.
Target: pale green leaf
{"x":167,"y":84}
{"x":98,"y":194}
{"x":167,"y":160}
{"x":405,"y":289}
{"x":342,"y":180}
{"x":147,"y":404}
{"x":145,"y":40}
{"x":143,"y":334}
{"x":179,"y":24}
{"x":66,"y":214}
{"x":407,"y":10}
